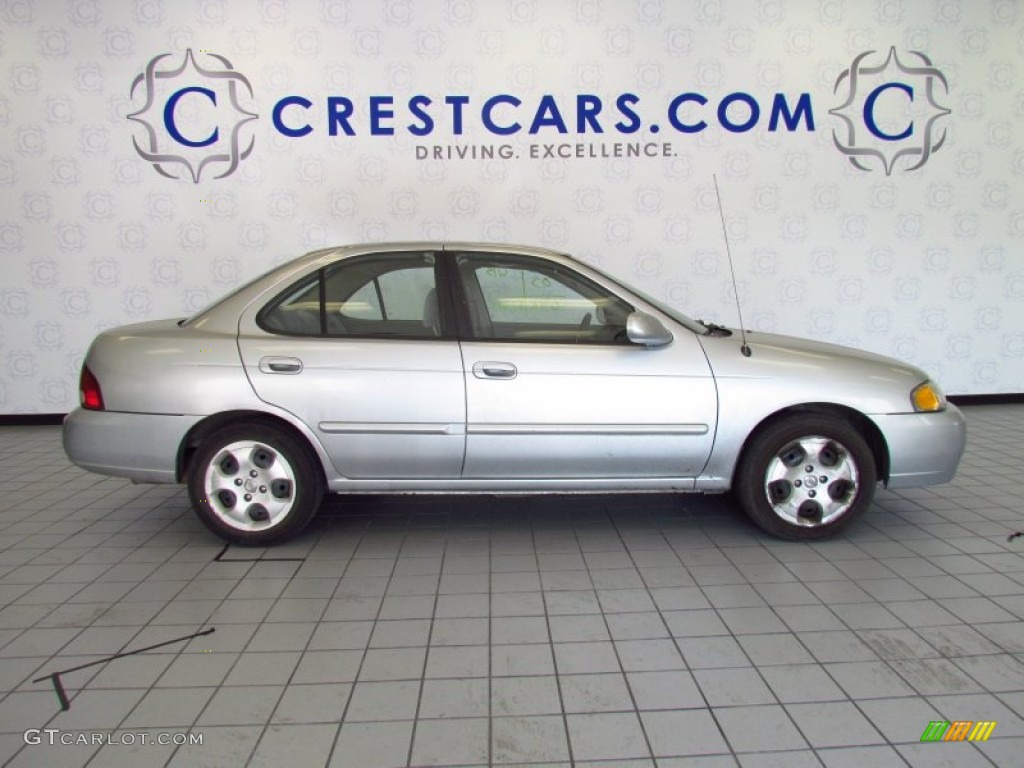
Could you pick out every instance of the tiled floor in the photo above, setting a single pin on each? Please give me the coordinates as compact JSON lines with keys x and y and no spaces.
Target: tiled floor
{"x":612,"y":631}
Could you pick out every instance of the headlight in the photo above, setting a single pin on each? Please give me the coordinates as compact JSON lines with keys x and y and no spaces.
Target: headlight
{"x":927,"y":398}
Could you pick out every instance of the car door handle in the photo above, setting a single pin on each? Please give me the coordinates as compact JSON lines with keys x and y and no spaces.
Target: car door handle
{"x":280,"y":365}
{"x":494,"y":370}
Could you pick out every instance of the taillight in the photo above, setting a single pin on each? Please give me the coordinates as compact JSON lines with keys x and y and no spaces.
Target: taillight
{"x":89,"y":388}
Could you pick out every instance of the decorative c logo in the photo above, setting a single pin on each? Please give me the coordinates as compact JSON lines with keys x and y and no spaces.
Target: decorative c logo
{"x":864,"y":138}
{"x":165,"y":143}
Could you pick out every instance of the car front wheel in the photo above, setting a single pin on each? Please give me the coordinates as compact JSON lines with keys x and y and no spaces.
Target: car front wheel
{"x":254,"y":484}
{"x":805,"y":477}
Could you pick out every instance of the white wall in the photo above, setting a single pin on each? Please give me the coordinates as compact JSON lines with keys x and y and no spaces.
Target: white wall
{"x":924,"y":264}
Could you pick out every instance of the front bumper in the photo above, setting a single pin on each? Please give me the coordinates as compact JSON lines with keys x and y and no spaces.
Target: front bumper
{"x":140,"y":446}
{"x":924,"y":448}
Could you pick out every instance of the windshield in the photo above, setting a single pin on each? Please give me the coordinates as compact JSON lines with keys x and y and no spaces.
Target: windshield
{"x":661,"y":306}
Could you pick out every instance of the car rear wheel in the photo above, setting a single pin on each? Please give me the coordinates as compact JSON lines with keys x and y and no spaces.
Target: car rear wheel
{"x":806,"y":477}
{"x":254,"y":484}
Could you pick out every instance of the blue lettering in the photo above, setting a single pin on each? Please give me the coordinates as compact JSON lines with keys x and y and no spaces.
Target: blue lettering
{"x":172,"y":129}
{"x":488,"y":119}
{"x":792,"y":119}
{"x":379,"y":113}
{"x":288,"y":101}
{"x":457,"y":102}
{"x":737,"y":112}
{"x":869,"y":112}
{"x":624,"y":104}
{"x":587,"y":110}
{"x":547,"y":115}
{"x":728,"y":101}
{"x":673,"y":113}
{"x":416,"y":106}
{"x":339,"y":110}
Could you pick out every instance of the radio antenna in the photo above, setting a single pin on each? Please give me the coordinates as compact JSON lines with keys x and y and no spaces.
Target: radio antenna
{"x":744,"y":347}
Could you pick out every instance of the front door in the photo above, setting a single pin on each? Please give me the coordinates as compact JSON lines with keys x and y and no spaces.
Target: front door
{"x":554,"y":390}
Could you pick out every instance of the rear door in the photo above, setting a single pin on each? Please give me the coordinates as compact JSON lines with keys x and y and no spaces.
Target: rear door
{"x":362,"y":352}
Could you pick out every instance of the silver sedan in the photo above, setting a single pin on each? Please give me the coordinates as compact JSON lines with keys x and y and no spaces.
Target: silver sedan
{"x":479,"y":368}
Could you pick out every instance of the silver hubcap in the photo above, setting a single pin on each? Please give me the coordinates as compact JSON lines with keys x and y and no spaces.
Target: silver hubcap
{"x":250,"y":486}
{"x":811,"y":481}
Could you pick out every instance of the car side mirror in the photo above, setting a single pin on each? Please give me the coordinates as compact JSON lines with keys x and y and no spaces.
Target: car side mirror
{"x":646,"y":330}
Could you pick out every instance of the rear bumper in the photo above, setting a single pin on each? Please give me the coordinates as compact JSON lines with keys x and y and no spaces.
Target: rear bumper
{"x":924,"y":448}
{"x":140,"y":446}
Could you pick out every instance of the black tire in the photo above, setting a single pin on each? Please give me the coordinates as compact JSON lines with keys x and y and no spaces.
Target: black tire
{"x":254,"y":484}
{"x":806,"y":477}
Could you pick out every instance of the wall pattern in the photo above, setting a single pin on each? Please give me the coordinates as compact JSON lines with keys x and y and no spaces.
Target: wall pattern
{"x":925,"y":265}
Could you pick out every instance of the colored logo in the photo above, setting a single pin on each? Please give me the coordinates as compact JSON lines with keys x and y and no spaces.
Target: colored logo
{"x":891,"y":112}
{"x":194,"y":117}
{"x":958,"y":730}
